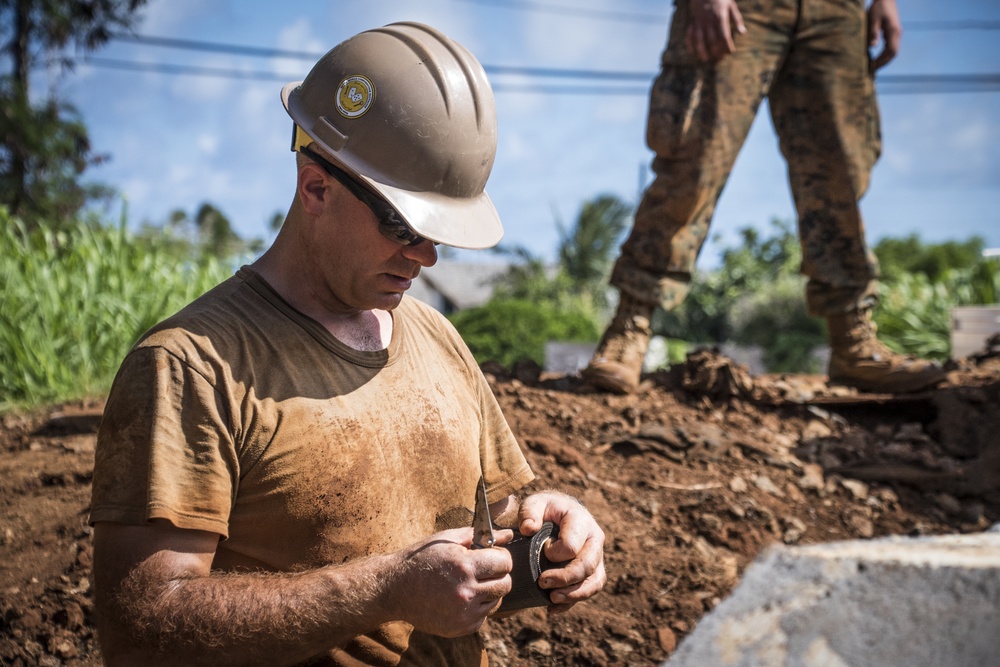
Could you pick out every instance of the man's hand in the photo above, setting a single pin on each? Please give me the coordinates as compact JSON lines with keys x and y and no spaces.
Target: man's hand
{"x":710,"y":34}
{"x":446,"y":587}
{"x":581,"y":543}
{"x":884,"y":24}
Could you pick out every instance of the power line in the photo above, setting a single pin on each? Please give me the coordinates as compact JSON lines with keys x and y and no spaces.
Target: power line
{"x":655,"y":19}
{"x":235,"y":49}
{"x":496,"y":70}
{"x":659,"y":18}
{"x":951,"y":25}
{"x":219,"y":72}
{"x":912,"y":83}
{"x":217,"y":47}
{"x":191,"y":70}
{"x":193,"y":45}
{"x":548,"y":72}
{"x":264,"y":52}
{"x":578,"y":12}
{"x":917,"y":84}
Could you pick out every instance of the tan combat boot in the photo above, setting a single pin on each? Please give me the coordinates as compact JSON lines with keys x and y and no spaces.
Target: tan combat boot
{"x":858,"y":359}
{"x":617,"y":363}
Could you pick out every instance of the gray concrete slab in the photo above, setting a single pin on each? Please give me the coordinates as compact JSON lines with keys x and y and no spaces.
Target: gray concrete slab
{"x":913,"y":602}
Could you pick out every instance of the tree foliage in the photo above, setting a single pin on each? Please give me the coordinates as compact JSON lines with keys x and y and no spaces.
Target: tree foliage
{"x":207,"y":231}
{"x":586,"y":253}
{"x":748,"y":271}
{"x":587,"y":250}
{"x":533,"y":302}
{"x":898,"y":257}
{"x":756,"y":297}
{"x":45,"y":151}
{"x":45,"y":147}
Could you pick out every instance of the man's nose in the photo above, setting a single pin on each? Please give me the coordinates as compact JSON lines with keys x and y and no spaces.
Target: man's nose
{"x":424,"y":253}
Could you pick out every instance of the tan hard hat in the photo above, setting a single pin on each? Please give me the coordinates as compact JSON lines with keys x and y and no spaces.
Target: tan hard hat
{"x":409,"y":112}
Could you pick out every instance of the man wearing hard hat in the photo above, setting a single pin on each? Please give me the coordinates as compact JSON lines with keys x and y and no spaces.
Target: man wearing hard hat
{"x":286,"y":467}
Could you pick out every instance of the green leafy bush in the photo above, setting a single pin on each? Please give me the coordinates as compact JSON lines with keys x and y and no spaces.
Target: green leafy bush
{"x":509,"y":330}
{"x":898,"y":257}
{"x":756,"y":297}
{"x":776,"y":320}
{"x":914,"y":315}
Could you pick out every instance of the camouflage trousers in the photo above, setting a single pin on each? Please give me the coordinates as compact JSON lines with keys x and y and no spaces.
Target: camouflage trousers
{"x":810,"y":59}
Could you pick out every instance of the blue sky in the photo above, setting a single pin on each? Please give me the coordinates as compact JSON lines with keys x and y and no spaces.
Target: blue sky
{"x":176,"y":141}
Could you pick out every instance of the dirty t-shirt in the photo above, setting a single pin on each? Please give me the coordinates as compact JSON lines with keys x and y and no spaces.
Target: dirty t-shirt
{"x":243,"y":417}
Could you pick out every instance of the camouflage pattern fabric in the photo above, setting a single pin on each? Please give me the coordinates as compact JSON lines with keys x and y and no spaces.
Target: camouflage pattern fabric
{"x":810,"y":59}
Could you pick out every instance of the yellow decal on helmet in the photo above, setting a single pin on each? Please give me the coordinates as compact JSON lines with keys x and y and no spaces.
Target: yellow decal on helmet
{"x":355,"y":96}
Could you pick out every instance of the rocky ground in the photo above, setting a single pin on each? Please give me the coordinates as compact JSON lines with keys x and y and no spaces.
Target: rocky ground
{"x":692,"y":477}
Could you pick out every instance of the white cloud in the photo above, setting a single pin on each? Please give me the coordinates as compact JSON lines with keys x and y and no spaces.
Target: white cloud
{"x":165,"y":18}
{"x":299,"y":36}
{"x":208,"y":144}
{"x":595,"y":43}
{"x":937,"y":143}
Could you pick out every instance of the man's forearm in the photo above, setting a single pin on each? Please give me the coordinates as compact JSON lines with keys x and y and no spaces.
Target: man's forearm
{"x":247,"y":619}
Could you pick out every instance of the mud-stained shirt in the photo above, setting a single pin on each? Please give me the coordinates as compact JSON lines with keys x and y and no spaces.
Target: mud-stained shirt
{"x":241,"y":416}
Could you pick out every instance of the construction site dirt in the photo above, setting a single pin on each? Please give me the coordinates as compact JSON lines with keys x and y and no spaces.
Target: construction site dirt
{"x":691,"y":478}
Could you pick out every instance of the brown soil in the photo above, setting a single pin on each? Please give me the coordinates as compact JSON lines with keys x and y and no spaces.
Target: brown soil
{"x":690,"y":478}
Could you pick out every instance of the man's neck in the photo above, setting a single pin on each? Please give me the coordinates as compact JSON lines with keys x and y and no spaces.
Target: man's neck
{"x":366,"y":330}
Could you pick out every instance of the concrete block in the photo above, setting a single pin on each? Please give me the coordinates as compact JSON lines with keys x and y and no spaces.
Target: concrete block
{"x":913,"y":602}
{"x":971,"y":327}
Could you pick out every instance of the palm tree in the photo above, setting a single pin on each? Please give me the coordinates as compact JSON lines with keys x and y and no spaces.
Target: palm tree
{"x":587,"y":251}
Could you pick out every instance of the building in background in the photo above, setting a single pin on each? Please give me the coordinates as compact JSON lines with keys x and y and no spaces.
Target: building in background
{"x":452,"y":286}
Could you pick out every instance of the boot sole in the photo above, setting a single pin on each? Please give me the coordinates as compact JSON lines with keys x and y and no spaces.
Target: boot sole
{"x":600,"y":379}
{"x":903,"y":387}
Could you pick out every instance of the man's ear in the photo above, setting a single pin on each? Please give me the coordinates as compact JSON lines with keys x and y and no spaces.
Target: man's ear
{"x":313,"y":188}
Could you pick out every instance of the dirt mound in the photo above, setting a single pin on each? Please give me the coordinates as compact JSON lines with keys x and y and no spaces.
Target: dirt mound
{"x":691,"y":478}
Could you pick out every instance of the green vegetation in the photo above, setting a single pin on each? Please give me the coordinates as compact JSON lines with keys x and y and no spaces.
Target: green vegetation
{"x":756,"y":297}
{"x":508,"y":330}
{"x":75,"y":300}
{"x":76,"y":297}
{"x":587,"y":251}
{"x":533,"y":303}
{"x":44,"y":146}
{"x":899,"y":257}
{"x":208,"y":231}
{"x":915,"y":313}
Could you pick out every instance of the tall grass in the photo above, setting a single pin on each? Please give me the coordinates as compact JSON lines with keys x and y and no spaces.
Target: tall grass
{"x":74,"y":301}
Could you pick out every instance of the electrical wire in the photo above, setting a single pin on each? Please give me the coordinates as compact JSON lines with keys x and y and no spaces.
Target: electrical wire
{"x":578,"y":12}
{"x":661,"y":18}
{"x":908,"y":83}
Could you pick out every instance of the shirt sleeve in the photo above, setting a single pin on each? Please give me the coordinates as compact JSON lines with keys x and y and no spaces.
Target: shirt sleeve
{"x":165,"y":447}
{"x":504,"y":466}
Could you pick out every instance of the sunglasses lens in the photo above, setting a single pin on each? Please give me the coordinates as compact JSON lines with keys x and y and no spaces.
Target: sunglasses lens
{"x":398,"y":231}
{"x":389,"y":224}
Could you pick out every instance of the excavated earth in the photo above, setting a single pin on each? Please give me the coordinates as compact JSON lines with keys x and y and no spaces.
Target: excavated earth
{"x":691,"y":478}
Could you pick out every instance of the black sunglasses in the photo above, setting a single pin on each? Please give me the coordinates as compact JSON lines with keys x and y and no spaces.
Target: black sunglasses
{"x":389,"y":223}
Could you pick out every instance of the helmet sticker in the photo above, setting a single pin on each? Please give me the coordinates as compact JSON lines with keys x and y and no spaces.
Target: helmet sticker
{"x":355,"y":96}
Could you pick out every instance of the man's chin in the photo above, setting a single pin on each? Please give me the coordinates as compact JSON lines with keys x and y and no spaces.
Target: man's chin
{"x":388,"y":300}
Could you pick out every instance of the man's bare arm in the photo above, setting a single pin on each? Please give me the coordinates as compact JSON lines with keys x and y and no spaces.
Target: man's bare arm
{"x":158,"y":601}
